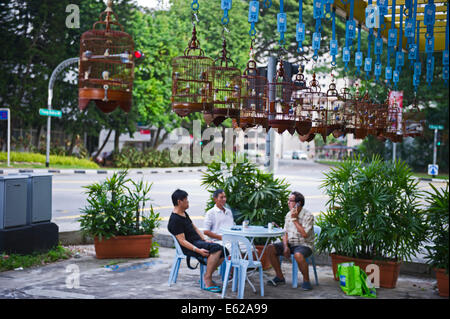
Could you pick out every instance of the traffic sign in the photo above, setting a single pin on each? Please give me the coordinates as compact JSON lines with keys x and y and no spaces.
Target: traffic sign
{"x":3,"y":115}
{"x":436,"y":127}
{"x":47,"y":112}
{"x":433,"y":169}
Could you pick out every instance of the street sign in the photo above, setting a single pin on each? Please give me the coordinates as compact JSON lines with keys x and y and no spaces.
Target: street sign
{"x":47,"y":112}
{"x":436,"y":127}
{"x":3,"y":115}
{"x":433,"y":169}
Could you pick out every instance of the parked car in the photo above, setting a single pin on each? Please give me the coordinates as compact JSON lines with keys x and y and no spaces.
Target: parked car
{"x":299,"y":155}
{"x":287,"y":155}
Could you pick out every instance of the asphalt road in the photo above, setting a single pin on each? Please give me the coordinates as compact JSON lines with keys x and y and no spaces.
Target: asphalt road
{"x":69,"y":197}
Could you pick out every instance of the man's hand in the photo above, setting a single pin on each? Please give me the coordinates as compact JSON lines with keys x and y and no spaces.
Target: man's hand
{"x":203,"y":252}
{"x":295,"y":211}
{"x":287,"y":252}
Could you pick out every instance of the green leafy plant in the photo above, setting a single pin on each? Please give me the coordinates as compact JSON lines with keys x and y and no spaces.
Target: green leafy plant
{"x":251,"y":193}
{"x":116,"y":209}
{"x":437,"y":219}
{"x":373,"y":211}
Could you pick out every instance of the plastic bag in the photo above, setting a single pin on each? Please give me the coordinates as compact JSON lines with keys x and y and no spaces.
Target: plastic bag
{"x":352,"y":281}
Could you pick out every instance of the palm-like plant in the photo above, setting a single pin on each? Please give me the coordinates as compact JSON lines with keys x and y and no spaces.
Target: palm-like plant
{"x":437,"y":219}
{"x":115,"y":209}
{"x":373,"y":211}
{"x":251,"y":193}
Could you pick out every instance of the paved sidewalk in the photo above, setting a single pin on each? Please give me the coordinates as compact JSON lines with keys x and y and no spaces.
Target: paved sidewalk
{"x":147,"y":278}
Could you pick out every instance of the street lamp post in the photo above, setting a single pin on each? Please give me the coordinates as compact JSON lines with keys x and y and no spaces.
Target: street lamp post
{"x":51,"y":83}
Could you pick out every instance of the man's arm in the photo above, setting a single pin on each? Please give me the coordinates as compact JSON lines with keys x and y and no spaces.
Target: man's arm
{"x":199,"y":232}
{"x":183,"y":242}
{"x":212,"y":235}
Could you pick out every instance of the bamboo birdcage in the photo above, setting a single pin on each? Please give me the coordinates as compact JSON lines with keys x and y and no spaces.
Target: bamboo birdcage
{"x":394,"y":131}
{"x":252,"y":97}
{"x":361,"y":116}
{"x":280,"y":111}
{"x":315,"y":108}
{"x":335,"y":120}
{"x":225,"y":89}
{"x":106,"y":69}
{"x":303,"y":123}
{"x":381,"y":120}
{"x":192,"y":80}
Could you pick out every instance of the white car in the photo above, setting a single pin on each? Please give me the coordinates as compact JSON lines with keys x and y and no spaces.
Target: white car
{"x":287,"y":155}
{"x":302,"y":156}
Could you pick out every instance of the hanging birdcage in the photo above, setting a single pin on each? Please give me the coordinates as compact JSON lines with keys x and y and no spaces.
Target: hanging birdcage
{"x":394,"y":131}
{"x":361,"y":116}
{"x":413,"y":121}
{"x":372,"y":118}
{"x":335,"y":120}
{"x":280,"y":111}
{"x":303,"y":123}
{"x":192,"y":80}
{"x":381,"y":120}
{"x":252,"y":97}
{"x":106,"y":69}
{"x":314,"y":107}
{"x":225,"y":90}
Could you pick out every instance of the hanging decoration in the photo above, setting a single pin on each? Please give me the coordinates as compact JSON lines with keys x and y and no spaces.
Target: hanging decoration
{"x":300,"y":29}
{"x":429,"y":20}
{"x":445,"y":53}
{"x":358,"y":53}
{"x":191,"y":76}
{"x":334,"y":49}
{"x":106,"y":68}
{"x":399,"y":56}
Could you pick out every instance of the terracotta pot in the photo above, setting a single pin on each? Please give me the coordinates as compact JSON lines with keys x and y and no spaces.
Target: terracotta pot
{"x":123,"y":247}
{"x":264,"y":259}
{"x":389,"y":270}
{"x":442,"y":282}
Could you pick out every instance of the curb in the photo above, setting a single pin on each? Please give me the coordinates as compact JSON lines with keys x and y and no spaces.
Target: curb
{"x":434,"y":180}
{"x":162,"y":237}
{"x":107,"y":172}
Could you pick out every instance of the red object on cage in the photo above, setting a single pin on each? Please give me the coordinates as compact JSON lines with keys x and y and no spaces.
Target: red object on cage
{"x":106,"y":69}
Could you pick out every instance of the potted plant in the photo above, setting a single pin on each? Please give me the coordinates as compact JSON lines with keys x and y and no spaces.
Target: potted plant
{"x":251,"y":194}
{"x":437,"y":219}
{"x":116,"y":217}
{"x":373,"y":216}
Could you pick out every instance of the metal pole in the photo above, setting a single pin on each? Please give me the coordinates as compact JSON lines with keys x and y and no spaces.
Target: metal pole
{"x":51,"y":83}
{"x":394,"y":151}
{"x":435,"y":146}
{"x":9,"y":138}
{"x":270,"y":139}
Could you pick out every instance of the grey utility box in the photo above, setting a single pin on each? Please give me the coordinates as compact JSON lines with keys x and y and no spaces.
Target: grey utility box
{"x":13,"y":200}
{"x":39,"y":198}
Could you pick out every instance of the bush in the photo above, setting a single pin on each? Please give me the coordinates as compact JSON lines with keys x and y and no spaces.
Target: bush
{"x":373,"y":211}
{"x":437,"y":219}
{"x":54,"y":159}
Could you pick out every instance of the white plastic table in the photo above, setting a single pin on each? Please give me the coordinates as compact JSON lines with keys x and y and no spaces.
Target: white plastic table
{"x":253,"y":232}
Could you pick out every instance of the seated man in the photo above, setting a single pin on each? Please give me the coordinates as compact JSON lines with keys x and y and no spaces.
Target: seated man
{"x":298,"y":240}
{"x":217,"y":217}
{"x":192,"y":240}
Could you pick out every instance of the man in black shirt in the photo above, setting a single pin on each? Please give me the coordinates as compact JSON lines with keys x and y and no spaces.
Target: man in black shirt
{"x":192,"y":240}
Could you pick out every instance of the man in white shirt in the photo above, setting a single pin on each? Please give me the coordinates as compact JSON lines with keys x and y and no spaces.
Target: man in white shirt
{"x":217,"y":217}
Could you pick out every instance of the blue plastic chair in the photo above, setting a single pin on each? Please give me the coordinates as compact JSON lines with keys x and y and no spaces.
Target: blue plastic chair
{"x":239,"y":264}
{"x":177,"y":262}
{"x":310,"y":260}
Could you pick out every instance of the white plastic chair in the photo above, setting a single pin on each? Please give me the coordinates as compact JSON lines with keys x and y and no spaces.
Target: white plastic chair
{"x":239,"y":264}
{"x":309,"y":260}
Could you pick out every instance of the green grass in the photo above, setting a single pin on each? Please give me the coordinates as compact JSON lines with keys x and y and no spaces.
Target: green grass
{"x":13,"y":261}
{"x":35,"y":160}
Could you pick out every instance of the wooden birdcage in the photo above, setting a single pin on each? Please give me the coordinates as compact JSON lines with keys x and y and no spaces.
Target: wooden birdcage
{"x":314,"y":107}
{"x":192,"y":80}
{"x":303,"y":123}
{"x":394,"y":131}
{"x":381,"y":120}
{"x":225,"y":90}
{"x":106,"y":69}
{"x":372,"y":118}
{"x":280,"y":113}
{"x":361,"y":116}
{"x":252,"y":97}
{"x":413,"y":121}
{"x":335,"y":119}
